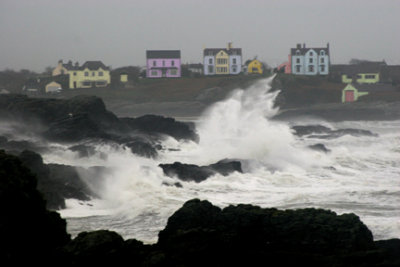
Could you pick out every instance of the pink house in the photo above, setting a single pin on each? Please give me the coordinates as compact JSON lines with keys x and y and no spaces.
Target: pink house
{"x":163,"y":63}
{"x":286,"y":66}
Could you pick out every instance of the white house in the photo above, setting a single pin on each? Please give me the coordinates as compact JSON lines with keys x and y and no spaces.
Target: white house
{"x":310,"y":61}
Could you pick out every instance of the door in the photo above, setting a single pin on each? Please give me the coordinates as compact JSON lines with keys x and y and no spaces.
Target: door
{"x":349,"y":96}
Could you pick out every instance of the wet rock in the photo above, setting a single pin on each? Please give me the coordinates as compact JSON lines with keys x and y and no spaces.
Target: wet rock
{"x":191,"y":172}
{"x":55,"y":181}
{"x":322,"y":132}
{"x":320,"y":147}
{"x":155,"y":124}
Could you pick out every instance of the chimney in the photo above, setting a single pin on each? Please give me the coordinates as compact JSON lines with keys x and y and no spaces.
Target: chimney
{"x":327,"y":46}
{"x":304,"y":45}
{"x":76,"y":64}
{"x":298,"y":46}
{"x":60,"y":62}
{"x":229,"y":45}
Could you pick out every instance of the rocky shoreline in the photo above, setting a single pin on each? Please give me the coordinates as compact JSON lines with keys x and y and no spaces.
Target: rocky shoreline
{"x":197,"y":234}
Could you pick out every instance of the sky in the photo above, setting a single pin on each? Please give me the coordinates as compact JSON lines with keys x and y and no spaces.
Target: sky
{"x":35,"y":34}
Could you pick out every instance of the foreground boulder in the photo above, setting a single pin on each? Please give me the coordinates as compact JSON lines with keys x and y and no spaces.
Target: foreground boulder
{"x":191,"y":172}
{"x":29,"y":232}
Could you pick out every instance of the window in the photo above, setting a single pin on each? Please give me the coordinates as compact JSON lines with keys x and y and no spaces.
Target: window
{"x":154,"y":72}
{"x":74,"y":73}
{"x":100,"y":73}
{"x":86,"y":73}
{"x":173,"y":72}
{"x":297,"y":52}
{"x":154,"y":63}
{"x":87,"y":83}
{"x":101,"y":83}
{"x":234,"y":60}
{"x":359,"y":76}
{"x":322,"y":53}
{"x":322,"y":68}
{"x":93,"y":73}
{"x":297,"y":60}
{"x":234,"y":69}
{"x":311,"y":60}
{"x":172,"y":63}
{"x":297,"y":68}
{"x":210,"y":69}
{"x":163,"y":63}
{"x":311,"y":54}
{"x":370,"y":76}
{"x":322,"y":60}
{"x":210,"y":61}
{"x":311,"y":68}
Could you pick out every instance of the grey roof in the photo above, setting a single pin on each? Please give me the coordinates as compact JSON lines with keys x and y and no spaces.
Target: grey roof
{"x":163,"y":54}
{"x":352,"y":69}
{"x":214,"y":51}
{"x":303,"y":50}
{"x":93,"y":65}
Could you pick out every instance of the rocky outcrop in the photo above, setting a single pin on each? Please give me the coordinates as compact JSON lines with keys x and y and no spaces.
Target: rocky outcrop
{"x":83,"y":119}
{"x":29,"y":232}
{"x":191,"y":172}
{"x":55,"y":181}
{"x":323,"y":132}
{"x":153,"y":124}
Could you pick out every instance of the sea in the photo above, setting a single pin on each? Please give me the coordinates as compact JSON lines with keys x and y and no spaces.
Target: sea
{"x":359,"y":174}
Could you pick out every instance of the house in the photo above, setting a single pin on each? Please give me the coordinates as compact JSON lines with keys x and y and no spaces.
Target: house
{"x":163,"y":63}
{"x":286,"y":67}
{"x":353,"y":91}
{"x":222,"y":61}
{"x":254,"y":67}
{"x":90,"y":74}
{"x":53,"y":87}
{"x":310,"y":61}
{"x":367,"y":72}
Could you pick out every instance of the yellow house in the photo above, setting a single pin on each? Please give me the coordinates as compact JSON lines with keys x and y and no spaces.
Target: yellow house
{"x":222,"y":63}
{"x":255,"y":66}
{"x":90,"y":74}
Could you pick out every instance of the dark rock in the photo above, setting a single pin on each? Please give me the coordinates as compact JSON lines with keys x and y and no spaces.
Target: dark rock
{"x":84,"y":151}
{"x":391,"y":251}
{"x":56,"y":182}
{"x":302,"y":130}
{"x":320,"y":147}
{"x":142,"y":148}
{"x":153,"y":124}
{"x":202,"y":234}
{"x":95,"y":248}
{"x":322,"y":132}
{"x":191,"y":172}
{"x":74,"y":128}
{"x":29,"y":233}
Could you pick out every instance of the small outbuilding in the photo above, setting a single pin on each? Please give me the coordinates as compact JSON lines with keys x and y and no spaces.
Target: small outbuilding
{"x":53,"y":87}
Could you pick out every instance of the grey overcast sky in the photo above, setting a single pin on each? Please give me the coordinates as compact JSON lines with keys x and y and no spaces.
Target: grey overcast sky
{"x":35,"y":34}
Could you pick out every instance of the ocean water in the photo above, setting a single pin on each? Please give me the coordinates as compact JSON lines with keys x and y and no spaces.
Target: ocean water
{"x":360,"y":174}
